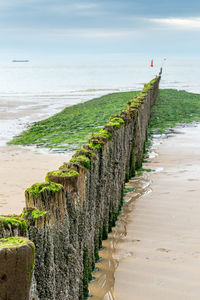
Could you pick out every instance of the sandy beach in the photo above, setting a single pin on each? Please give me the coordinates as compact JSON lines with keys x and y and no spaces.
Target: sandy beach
{"x":154,"y":251}
{"x":161,"y":250}
{"x":20,"y":168}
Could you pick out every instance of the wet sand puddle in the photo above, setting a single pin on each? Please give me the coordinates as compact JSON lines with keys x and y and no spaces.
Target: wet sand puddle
{"x":103,"y":285}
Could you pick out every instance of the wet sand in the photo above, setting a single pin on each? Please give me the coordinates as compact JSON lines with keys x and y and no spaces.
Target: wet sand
{"x":19,"y":169}
{"x":103,"y":285}
{"x":165,"y":262}
{"x":154,"y":251}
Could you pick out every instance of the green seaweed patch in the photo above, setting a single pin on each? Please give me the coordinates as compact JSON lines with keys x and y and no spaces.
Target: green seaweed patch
{"x":11,"y":242}
{"x":95,"y":145}
{"x":117,"y":119}
{"x":83,"y":160}
{"x":173,"y":107}
{"x":103,"y":133}
{"x":98,"y":140}
{"x":154,"y":80}
{"x":32,"y":214}
{"x":134,"y":107}
{"x":86,"y":152}
{"x":140,"y":171}
{"x":128,"y":112}
{"x":148,"y":86}
{"x":133,"y":110}
{"x":82,"y":151}
{"x":143,"y":94}
{"x":115,"y":125}
{"x":73,"y":126}
{"x":141,"y":98}
{"x":135,"y":103}
{"x":37,"y":214}
{"x":115,"y":122}
{"x":37,"y":188}
{"x":61,"y":172}
{"x":14,"y":220}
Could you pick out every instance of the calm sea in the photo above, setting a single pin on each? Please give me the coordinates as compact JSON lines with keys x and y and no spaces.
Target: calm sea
{"x":30,"y":92}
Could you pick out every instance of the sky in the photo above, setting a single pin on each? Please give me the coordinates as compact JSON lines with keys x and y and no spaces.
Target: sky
{"x":63,"y":29}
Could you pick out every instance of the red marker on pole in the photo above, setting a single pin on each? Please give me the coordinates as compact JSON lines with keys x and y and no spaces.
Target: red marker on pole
{"x":152,"y":63}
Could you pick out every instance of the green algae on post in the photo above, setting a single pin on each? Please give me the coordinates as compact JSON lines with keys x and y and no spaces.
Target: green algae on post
{"x":87,"y":273}
{"x":62,"y":172}
{"x":31,"y":214}
{"x":85,"y":152}
{"x":37,"y":188}
{"x":14,"y":220}
{"x":37,"y":214}
{"x":115,"y":122}
{"x":99,"y":139}
{"x":11,"y":241}
{"x":83,"y":160}
{"x":103,"y":133}
{"x":94,"y":145}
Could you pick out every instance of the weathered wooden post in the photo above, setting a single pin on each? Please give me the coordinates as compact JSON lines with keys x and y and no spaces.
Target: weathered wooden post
{"x":17,"y":255}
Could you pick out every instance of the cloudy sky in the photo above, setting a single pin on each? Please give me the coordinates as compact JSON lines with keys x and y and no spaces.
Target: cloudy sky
{"x":62,"y":29}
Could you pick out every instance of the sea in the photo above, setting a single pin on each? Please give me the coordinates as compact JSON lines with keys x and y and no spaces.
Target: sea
{"x":32,"y":91}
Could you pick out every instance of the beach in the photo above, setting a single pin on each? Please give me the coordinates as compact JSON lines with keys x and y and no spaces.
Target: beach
{"x":35,"y":95}
{"x":161,"y":255}
{"x":153,"y":250}
{"x":20,"y":168}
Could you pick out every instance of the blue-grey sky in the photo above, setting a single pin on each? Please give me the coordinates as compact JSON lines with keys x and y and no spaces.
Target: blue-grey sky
{"x":63,"y":29}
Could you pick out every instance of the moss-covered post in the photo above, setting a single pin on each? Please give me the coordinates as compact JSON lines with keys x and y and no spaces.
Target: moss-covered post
{"x":49,"y":199}
{"x":17,"y":256}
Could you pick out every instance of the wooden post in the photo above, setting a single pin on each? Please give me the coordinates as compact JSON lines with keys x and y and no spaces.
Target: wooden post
{"x":17,"y":256}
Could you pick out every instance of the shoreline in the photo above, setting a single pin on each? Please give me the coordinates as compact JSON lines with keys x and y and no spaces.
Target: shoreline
{"x":13,"y":182}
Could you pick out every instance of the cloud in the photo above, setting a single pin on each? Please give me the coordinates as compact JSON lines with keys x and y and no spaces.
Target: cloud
{"x":178,"y":23}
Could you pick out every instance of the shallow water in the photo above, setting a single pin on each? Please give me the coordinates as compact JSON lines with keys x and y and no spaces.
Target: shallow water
{"x":103,"y":286}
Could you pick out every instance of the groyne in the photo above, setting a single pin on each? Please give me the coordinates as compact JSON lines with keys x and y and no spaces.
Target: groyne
{"x":69,"y":215}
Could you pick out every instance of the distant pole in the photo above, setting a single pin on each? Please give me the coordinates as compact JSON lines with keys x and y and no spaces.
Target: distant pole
{"x":160,"y":73}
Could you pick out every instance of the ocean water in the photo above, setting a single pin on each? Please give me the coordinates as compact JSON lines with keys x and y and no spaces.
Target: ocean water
{"x":30,"y":92}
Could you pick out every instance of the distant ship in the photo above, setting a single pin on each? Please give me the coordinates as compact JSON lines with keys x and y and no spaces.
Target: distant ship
{"x":20,"y":60}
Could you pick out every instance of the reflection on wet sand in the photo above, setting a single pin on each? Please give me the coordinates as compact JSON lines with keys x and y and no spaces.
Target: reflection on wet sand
{"x":103,"y":285}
